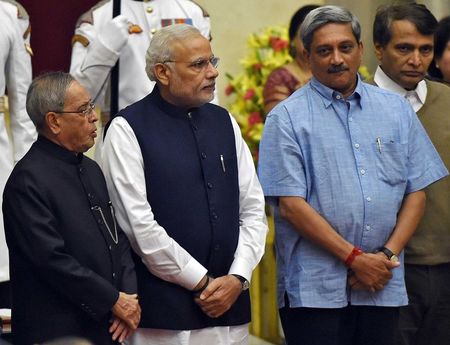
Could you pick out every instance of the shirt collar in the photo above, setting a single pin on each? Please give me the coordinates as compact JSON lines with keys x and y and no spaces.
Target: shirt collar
{"x":329,"y":95}
{"x":416,"y":97}
{"x":58,"y":151}
{"x":167,"y":107}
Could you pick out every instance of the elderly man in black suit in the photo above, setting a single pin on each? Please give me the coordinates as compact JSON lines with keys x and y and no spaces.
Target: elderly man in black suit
{"x":71,"y":269}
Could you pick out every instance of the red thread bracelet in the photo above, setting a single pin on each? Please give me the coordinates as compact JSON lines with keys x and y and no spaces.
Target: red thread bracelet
{"x":353,"y":254}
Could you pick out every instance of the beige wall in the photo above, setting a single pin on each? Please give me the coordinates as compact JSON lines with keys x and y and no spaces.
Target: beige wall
{"x":234,"y":20}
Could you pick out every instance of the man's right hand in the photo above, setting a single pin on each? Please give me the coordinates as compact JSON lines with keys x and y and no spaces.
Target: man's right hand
{"x":371,"y":271}
{"x":127,"y":309}
{"x":114,"y":34}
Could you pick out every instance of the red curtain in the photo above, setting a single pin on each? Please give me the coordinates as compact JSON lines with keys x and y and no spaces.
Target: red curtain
{"x":52,"y":27}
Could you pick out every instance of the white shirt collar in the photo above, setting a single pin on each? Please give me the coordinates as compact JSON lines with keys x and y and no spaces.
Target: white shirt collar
{"x":415,"y":97}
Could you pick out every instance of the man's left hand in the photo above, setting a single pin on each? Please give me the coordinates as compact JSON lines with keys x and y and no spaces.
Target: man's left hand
{"x":220,"y":295}
{"x":356,"y":284}
{"x":119,"y":330}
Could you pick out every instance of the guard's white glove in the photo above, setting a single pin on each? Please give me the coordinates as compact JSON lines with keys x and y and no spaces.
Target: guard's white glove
{"x":114,"y":34}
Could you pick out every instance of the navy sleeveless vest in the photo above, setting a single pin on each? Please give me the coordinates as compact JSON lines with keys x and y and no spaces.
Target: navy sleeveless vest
{"x":192,"y":186}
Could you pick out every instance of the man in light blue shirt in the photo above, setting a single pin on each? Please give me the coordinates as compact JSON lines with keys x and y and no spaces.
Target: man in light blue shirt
{"x":344,"y":164}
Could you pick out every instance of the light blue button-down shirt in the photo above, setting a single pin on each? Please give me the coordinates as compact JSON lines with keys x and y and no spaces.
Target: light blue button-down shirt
{"x":353,"y":161}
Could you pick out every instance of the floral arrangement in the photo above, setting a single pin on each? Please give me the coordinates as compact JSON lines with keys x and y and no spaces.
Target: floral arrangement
{"x":267,"y":51}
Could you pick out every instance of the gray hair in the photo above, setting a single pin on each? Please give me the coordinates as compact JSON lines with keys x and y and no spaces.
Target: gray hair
{"x":325,"y":15}
{"x":160,"y":49}
{"x":47,"y":93}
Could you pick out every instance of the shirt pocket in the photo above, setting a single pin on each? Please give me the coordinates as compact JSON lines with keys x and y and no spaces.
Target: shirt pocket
{"x":390,"y":162}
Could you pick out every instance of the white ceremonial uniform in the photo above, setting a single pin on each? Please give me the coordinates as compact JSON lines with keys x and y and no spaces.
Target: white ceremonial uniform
{"x":15,"y":76}
{"x":93,"y":54}
{"x":123,"y":166}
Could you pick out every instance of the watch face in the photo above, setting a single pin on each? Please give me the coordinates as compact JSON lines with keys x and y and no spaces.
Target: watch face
{"x":245,"y":285}
{"x":394,"y":258}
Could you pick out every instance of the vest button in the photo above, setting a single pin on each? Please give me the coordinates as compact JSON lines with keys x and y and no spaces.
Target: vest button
{"x":203,"y":155}
{"x":209,"y":184}
{"x":215,"y":216}
{"x":217,"y":247}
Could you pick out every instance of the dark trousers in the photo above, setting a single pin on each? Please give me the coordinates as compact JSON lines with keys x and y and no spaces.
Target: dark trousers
{"x":5,"y":295}
{"x":352,"y":325}
{"x":426,"y":320}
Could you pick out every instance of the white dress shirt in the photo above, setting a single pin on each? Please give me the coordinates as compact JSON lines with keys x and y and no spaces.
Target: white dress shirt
{"x":415,"y":97}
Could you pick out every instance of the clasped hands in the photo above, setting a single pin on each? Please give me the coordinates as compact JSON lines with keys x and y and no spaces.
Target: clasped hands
{"x":127,"y":314}
{"x":370,"y":272}
{"x":219,"y":295}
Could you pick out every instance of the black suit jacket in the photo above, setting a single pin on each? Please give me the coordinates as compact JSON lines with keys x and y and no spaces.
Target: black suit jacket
{"x":66,"y":269}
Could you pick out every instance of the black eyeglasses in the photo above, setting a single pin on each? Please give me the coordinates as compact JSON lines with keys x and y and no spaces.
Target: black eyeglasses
{"x":200,"y":64}
{"x":85,"y":112}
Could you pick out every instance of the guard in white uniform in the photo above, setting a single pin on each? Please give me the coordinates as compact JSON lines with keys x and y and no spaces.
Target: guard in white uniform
{"x":100,"y":40}
{"x":15,"y":76}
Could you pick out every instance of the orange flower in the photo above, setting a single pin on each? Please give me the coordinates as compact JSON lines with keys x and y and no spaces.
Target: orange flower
{"x":278,"y":44}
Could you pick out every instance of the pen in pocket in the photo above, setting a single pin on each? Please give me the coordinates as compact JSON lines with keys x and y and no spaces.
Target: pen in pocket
{"x":222,"y":162}
{"x":379,"y":144}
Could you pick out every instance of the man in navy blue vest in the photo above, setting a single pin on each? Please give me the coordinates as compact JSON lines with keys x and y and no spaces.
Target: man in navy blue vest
{"x":188,"y":198}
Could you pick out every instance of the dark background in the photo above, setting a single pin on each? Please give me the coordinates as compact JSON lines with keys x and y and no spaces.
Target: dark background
{"x":52,"y":27}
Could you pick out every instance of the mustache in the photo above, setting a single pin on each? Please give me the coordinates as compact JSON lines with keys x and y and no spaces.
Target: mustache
{"x":337,"y":68}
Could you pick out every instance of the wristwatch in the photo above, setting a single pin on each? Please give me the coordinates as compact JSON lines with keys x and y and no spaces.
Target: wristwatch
{"x":244,"y":282}
{"x":389,"y":254}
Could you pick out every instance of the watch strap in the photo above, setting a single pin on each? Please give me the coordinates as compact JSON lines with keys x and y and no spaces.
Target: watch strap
{"x":386,"y":251}
{"x":244,"y":282}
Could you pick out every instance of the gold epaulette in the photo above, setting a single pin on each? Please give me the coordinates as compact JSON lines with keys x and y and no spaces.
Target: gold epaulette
{"x":2,"y":104}
{"x":79,"y":38}
{"x":27,"y":32}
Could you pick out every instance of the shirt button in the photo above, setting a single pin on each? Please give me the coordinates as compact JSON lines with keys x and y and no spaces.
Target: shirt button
{"x":363,"y":171}
{"x":203,"y":155}
{"x":350,"y":119}
{"x":368,"y":227}
{"x":149,"y":9}
{"x":369,"y":198}
{"x":338,"y":97}
{"x":153,"y":31}
{"x":209,"y":184}
{"x":357,"y":145}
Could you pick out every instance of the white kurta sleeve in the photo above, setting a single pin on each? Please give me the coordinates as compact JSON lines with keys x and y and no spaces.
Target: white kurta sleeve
{"x":123,"y":166}
{"x":252,"y":216}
